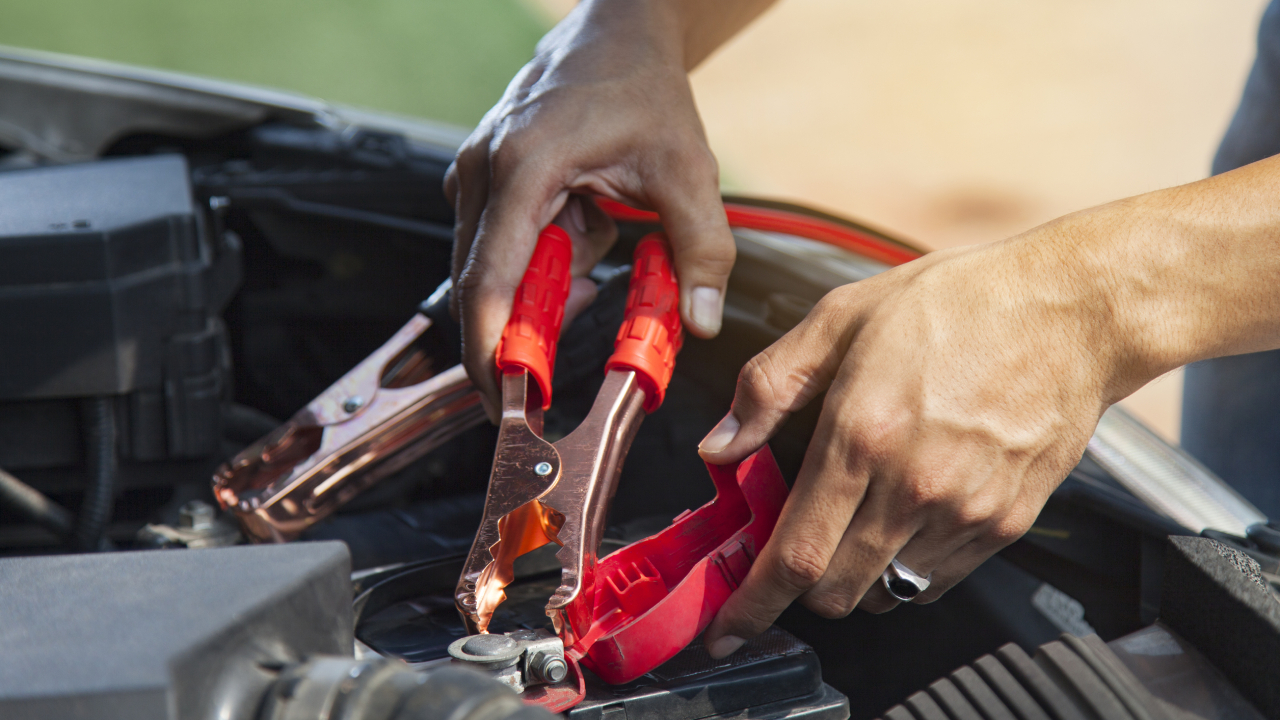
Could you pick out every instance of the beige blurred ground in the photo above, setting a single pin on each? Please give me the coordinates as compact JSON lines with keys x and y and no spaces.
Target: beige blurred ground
{"x":954,"y":122}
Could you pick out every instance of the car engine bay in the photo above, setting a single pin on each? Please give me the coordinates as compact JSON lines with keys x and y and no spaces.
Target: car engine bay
{"x":195,"y":275}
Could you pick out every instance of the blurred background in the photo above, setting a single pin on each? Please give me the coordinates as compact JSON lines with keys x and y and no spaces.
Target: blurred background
{"x":943,"y":122}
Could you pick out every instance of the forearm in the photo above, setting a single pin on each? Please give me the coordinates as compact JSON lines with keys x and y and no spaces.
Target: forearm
{"x":1187,"y":273}
{"x":708,"y":24}
{"x":687,"y":31}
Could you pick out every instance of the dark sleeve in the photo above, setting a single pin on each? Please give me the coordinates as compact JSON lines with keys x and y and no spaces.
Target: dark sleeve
{"x":1254,"y":132}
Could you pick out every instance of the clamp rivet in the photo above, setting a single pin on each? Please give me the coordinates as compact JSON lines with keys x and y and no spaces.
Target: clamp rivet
{"x":543,"y":469}
{"x":352,"y":404}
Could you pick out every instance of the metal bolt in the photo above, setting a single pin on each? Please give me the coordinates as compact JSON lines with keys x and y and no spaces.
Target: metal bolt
{"x":543,"y":469}
{"x":549,"y":668}
{"x":353,"y":404}
{"x":196,"y":515}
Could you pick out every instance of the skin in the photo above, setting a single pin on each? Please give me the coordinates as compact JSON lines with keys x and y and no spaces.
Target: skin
{"x":961,"y":388}
{"x":604,"y":108}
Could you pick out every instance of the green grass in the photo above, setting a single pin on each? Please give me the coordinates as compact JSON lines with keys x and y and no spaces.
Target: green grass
{"x":442,"y":59}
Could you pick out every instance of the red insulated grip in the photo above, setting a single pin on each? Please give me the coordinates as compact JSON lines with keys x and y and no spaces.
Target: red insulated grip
{"x":651,"y":334}
{"x":533,"y":331}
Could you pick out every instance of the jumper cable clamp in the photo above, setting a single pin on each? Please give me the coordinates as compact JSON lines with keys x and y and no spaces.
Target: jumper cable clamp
{"x":542,"y":492}
{"x":623,"y":615}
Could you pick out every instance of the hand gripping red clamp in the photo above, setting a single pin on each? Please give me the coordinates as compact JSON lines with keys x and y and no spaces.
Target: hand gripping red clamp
{"x":626,"y":614}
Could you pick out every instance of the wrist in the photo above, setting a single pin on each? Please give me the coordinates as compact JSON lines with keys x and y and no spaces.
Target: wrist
{"x":683,"y":31}
{"x":1070,"y":276}
{"x":655,"y":28}
{"x":1134,"y":263}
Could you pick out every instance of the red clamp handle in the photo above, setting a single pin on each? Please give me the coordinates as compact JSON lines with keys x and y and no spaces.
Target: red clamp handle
{"x":533,"y":331}
{"x":651,"y":334}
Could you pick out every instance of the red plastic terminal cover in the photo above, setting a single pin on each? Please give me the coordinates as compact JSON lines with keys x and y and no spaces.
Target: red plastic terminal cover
{"x":651,"y":332}
{"x":655,"y":596}
{"x":529,"y":340}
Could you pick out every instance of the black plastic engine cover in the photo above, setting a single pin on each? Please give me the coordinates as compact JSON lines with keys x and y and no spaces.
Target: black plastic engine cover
{"x":165,"y":634}
{"x":109,"y":287}
{"x":773,"y":675}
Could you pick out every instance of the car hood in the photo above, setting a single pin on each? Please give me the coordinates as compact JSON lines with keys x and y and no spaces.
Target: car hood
{"x":63,"y":108}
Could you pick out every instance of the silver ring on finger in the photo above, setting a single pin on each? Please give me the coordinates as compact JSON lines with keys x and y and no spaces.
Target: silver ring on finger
{"x":904,"y":583}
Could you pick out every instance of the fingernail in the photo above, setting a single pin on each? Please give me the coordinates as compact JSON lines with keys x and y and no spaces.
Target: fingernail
{"x":725,"y":646}
{"x":705,"y":307}
{"x":577,"y":215}
{"x":721,"y":435}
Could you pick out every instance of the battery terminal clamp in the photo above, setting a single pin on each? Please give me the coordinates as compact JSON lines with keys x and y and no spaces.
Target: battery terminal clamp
{"x":623,"y":615}
{"x":521,"y":659}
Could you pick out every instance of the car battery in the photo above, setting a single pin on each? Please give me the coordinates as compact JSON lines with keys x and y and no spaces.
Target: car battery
{"x":409,"y":613}
{"x":110,"y":287}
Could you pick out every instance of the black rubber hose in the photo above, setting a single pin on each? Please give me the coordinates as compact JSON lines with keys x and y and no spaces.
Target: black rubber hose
{"x":31,"y":502}
{"x":98,"y":424}
{"x":385,"y":689}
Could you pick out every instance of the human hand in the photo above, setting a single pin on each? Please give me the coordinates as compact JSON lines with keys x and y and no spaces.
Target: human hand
{"x":605,"y":108}
{"x":961,"y":390}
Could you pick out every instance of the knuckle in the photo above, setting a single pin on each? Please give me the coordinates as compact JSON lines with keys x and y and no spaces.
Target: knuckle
{"x":692,"y":156}
{"x":832,"y":302}
{"x":836,"y":301}
{"x":800,"y":566}
{"x":471,"y":278}
{"x":875,"y":430}
{"x":1008,"y":529}
{"x":926,"y":487}
{"x":712,"y":254}
{"x":975,"y":513}
{"x":472,"y":154}
{"x":701,"y":162}
{"x":921,"y":494}
{"x":753,"y":620}
{"x":768,"y":382}
{"x":509,"y":151}
{"x":833,"y":317}
{"x":474,"y":279}
{"x":832,"y":604}
{"x":755,"y":383}
{"x":871,"y":442}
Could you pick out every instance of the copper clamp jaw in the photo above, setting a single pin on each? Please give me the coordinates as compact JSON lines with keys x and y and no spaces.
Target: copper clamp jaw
{"x":391,"y":409}
{"x":543,"y":492}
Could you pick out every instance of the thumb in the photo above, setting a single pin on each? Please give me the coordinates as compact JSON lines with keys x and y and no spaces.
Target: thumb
{"x":776,"y":383}
{"x":702,"y":246}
